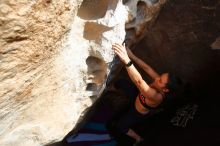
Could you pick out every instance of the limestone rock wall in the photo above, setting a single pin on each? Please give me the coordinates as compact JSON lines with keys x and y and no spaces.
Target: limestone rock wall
{"x":30,"y":36}
{"x":55,"y":57}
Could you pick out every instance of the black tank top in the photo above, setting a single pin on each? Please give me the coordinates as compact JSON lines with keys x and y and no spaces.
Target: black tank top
{"x":142,"y":100}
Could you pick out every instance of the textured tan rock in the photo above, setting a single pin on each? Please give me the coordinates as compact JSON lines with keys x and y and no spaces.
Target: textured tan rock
{"x":30,"y":98}
{"x":141,"y":16}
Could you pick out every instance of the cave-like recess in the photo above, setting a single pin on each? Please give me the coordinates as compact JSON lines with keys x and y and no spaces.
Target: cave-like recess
{"x":179,"y":41}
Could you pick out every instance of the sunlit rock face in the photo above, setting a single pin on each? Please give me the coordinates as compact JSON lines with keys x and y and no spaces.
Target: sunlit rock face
{"x":54,"y":57}
{"x":35,"y":101}
{"x":142,"y":15}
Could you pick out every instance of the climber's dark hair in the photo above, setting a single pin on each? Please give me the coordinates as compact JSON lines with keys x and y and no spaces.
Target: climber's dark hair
{"x":174,"y":83}
{"x":174,"y":96}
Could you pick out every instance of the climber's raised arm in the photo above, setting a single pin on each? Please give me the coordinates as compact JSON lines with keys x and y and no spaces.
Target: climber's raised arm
{"x":133,"y":73}
{"x":149,"y":70}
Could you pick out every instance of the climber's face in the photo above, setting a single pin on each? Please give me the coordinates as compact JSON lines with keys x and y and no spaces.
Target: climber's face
{"x":162,"y":81}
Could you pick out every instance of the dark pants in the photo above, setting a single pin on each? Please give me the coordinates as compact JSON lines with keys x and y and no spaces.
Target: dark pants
{"x":132,"y":116}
